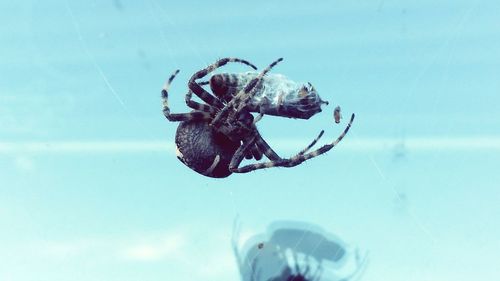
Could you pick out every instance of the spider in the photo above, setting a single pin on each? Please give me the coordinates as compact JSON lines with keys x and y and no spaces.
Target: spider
{"x":215,"y":137}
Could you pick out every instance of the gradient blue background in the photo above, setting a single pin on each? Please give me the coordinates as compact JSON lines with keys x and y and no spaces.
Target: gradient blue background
{"x":90,"y":188}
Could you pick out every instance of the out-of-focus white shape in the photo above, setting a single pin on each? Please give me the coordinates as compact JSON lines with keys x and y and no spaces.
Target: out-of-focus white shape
{"x":167,"y":247}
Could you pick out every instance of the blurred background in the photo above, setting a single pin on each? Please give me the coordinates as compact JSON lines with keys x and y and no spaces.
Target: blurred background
{"x":90,"y":188}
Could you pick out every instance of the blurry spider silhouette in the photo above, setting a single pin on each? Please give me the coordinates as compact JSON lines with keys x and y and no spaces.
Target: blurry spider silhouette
{"x":296,"y":251}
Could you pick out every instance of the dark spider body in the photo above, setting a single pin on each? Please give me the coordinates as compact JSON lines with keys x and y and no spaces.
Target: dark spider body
{"x":198,"y":146}
{"x":215,"y":137}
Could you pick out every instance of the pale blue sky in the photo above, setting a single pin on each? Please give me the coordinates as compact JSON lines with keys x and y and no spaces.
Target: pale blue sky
{"x":90,"y":188}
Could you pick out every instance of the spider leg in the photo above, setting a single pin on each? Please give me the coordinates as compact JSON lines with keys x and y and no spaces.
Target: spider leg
{"x":240,"y":100}
{"x":273,"y":156}
{"x":258,"y":118}
{"x":297,"y":159}
{"x":312,"y":143}
{"x":261,"y":147}
{"x":212,"y":167}
{"x":200,"y":92}
{"x":199,"y":106}
{"x":241,"y":152}
{"x":256,"y":153}
{"x":251,"y":89}
{"x":193,"y":115}
{"x":266,"y":149}
{"x":193,"y":104}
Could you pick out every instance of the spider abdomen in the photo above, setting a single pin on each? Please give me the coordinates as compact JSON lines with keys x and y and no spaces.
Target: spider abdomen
{"x":198,"y":146}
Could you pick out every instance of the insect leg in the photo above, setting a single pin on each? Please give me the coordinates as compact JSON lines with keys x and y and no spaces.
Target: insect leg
{"x":200,"y":92}
{"x":194,"y":115}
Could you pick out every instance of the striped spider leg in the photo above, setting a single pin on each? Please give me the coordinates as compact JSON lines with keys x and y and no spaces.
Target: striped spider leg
{"x":199,"y":106}
{"x":200,"y":92}
{"x":295,"y":160}
{"x":253,"y":145}
{"x":203,"y":114}
{"x":239,"y":101}
{"x":200,"y":112}
{"x":261,"y":147}
{"x":236,"y":107}
{"x":214,"y":102}
{"x":268,"y":151}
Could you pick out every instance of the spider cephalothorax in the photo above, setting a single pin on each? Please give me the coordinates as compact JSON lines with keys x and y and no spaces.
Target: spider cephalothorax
{"x":214,"y":138}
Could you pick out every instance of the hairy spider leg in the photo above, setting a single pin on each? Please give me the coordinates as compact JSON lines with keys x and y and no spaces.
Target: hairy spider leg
{"x":247,"y":150}
{"x":256,"y":153}
{"x":262,"y":145}
{"x":258,"y":118}
{"x":241,"y":151}
{"x":200,"y":92}
{"x":296,"y":160}
{"x":266,"y":148}
{"x":260,"y":148}
{"x":212,"y":167}
{"x":312,"y":143}
{"x":239,"y":101}
{"x":250,"y":89}
{"x":253,"y":152}
{"x":193,"y":115}
{"x":199,"y":106}
{"x":254,"y":143}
